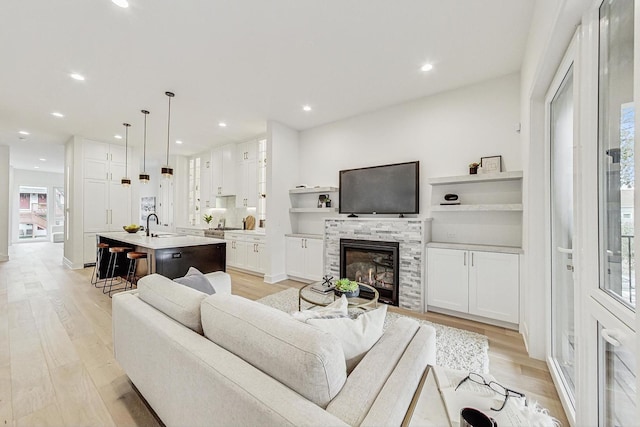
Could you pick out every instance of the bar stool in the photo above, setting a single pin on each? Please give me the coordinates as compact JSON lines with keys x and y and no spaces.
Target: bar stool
{"x":133,"y":264}
{"x":101,"y":248}
{"x":111,"y":269}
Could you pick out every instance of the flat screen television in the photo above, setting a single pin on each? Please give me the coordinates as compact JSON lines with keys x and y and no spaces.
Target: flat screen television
{"x":387,"y":189}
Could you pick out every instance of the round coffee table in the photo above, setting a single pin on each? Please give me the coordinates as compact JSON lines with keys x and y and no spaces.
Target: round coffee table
{"x":323,"y":300}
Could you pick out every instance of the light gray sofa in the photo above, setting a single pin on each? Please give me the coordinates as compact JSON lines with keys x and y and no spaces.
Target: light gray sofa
{"x":225,"y":360}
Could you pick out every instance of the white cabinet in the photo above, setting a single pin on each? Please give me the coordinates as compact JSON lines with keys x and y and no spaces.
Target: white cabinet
{"x":246,"y":251}
{"x":247,"y":174}
{"x":481,"y":283}
{"x":106,"y":203}
{"x":223,"y":170}
{"x":304,"y":257}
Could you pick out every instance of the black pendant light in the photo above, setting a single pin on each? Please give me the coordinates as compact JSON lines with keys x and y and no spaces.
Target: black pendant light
{"x":167,"y":171}
{"x":144,"y":176}
{"x":126,"y":181}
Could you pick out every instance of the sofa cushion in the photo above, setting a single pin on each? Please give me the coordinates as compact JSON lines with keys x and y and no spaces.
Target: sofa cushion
{"x":196,"y":280}
{"x":220,"y":281}
{"x":179,"y":302}
{"x":305,"y":359}
{"x":357,"y":335}
{"x":338,"y":308}
{"x":368,"y":378}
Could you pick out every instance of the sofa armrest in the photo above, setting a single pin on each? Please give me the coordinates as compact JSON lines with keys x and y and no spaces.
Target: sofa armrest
{"x":189,"y":380}
{"x":220,"y":281}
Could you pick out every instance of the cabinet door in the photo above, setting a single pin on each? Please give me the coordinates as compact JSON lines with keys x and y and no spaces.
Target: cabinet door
{"x":205,"y":183}
{"x":96,"y":150}
{"x":96,"y":169}
{"x":294,"y":263}
{"x":494,"y":286}
{"x":251,"y":183}
{"x":231,"y":252}
{"x":117,"y":171}
{"x":261,"y":257}
{"x":447,"y":279}
{"x":216,"y":171}
{"x":313,"y":262}
{"x":242,"y":249}
{"x":119,"y":206}
{"x":247,"y":151}
{"x":96,"y":209}
{"x":117,"y":153}
{"x":228,"y":169}
{"x":241,"y":184}
{"x":89,"y":251}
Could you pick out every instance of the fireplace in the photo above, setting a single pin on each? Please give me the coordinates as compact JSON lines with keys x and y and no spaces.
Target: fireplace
{"x":374,"y":263}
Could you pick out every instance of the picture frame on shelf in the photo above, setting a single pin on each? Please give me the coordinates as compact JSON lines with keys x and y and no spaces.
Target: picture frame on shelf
{"x":492,"y":164}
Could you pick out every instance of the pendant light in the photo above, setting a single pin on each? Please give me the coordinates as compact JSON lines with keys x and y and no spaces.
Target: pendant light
{"x":167,"y":171}
{"x":144,"y":176}
{"x":126,"y":181}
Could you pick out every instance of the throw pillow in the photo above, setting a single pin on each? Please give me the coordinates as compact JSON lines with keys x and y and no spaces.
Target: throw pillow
{"x":336,"y":309}
{"x":196,"y":280}
{"x":357,"y":335}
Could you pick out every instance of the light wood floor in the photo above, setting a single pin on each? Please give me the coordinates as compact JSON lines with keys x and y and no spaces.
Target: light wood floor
{"x":56,"y":351}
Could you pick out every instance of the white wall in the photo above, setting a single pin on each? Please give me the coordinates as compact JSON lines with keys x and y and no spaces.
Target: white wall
{"x":445,"y":132}
{"x":4,"y":202}
{"x":282,"y":175}
{"x":22,"y":177}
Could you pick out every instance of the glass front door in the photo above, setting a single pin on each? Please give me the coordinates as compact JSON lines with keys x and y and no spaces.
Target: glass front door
{"x":561,"y":120}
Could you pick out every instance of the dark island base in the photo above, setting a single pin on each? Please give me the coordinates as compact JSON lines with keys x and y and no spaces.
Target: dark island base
{"x":169,"y":262}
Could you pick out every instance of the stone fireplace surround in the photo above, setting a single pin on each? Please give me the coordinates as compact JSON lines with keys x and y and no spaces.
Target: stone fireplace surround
{"x":411,"y":233}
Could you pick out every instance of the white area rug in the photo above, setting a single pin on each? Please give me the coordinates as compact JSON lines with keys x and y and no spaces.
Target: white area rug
{"x":456,"y":348}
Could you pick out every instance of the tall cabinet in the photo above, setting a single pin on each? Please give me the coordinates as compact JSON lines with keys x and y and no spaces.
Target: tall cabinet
{"x":247,"y":174}
{"x":473,"y":262}
{"x":106,"y":203}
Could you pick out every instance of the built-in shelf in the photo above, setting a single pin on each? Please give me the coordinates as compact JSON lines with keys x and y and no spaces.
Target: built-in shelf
{"x":488,"y":177}
{"x":312,"y":190}
{"x":512,"y":207}
{"x":312,"y":210}
{"x":475,"y":247}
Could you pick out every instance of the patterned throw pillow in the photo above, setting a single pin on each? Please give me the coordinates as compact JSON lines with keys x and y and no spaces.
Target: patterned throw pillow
{"x":336,"y":309}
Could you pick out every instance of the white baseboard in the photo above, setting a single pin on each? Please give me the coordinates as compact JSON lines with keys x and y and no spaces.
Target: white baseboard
{"x":4,"y":258}
{"x":70,"y":265}
{"x":275,"y":278}
{"x":500,"y":323}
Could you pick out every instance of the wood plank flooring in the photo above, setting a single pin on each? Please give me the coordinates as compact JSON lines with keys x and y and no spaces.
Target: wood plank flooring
{"x":56,"y":351}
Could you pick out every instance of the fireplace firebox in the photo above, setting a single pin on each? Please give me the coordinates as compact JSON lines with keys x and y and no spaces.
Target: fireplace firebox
{"x":374,"y":263}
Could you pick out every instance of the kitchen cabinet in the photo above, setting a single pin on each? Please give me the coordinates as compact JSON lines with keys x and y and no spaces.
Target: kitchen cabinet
{"x":247,"y":174}
{"x":187,"y":231}
{"x":223,"y":170}
{"x":304,"y":257}
{"x":106,"y":203}
{"x":246,"y":251}
{"x":481,"y":283}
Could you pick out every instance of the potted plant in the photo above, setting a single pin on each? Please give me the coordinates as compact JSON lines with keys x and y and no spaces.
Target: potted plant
{"x":208,"y":218}
{"x":347,"y":287}
{"x":473,"y":168}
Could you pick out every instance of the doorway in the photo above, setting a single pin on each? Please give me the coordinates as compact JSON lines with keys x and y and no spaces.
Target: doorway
{"x":33,"y":213}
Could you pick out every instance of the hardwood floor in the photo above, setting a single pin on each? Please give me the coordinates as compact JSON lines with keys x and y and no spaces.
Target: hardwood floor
{"x":56,"y":351}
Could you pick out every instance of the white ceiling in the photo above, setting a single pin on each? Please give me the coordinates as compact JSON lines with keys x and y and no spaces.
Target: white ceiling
{"x":243,"y":62}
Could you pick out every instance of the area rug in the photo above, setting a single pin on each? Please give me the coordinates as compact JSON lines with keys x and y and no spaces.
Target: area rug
{"x":455,"y":348}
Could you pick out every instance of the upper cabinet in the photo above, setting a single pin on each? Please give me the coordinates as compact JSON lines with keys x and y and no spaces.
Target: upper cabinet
{"x":223,"y":170}
{"x":247,"y":174}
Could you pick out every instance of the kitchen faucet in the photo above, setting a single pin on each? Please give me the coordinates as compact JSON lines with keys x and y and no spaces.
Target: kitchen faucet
{"x":149,"y":216}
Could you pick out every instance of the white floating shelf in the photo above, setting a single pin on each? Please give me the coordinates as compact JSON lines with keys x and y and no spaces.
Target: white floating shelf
{"x":509,"y":207}
{"x":312,"y":190}
{"x":488,"y":177}
{"x":312,"y":210}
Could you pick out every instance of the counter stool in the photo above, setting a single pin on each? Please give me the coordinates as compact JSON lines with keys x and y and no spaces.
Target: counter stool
{"x":111,"y":269}
{"x":101,"y":248}
{"x":133,"y":263}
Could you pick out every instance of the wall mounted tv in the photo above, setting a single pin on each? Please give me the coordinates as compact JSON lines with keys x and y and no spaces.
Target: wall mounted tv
{"x":387,"y":189}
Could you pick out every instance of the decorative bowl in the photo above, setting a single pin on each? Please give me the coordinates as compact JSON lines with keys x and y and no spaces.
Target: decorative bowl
{"x":130,"y":229}
{"x":349,"y":294}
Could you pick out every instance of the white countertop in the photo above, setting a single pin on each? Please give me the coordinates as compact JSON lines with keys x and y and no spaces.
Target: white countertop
{"x":257,"y":231}
{"x":305,"y":236}
{"x":164,"y":241}
{"x":474,"y":247}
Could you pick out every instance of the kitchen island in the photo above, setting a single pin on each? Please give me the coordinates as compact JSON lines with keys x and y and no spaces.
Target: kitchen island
{"x":168,"y":254}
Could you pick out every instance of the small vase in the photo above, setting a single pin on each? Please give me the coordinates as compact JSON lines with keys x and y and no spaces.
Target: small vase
{"x":473,"y":171}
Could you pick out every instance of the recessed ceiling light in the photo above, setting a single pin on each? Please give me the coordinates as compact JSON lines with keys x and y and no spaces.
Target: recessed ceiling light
{"x":76,"y":76}
{"x":222,"y":124}
{"x":306,"y":108}
{"x":178,"y":141}
{"x":117,"y":136}
{"x":23,"y":132}
{"x":121,"y":3}
{"x":56,"y":114}
{"x":426,"y":67}
{"x":43,"y":159}
{"x":36,"y":167}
